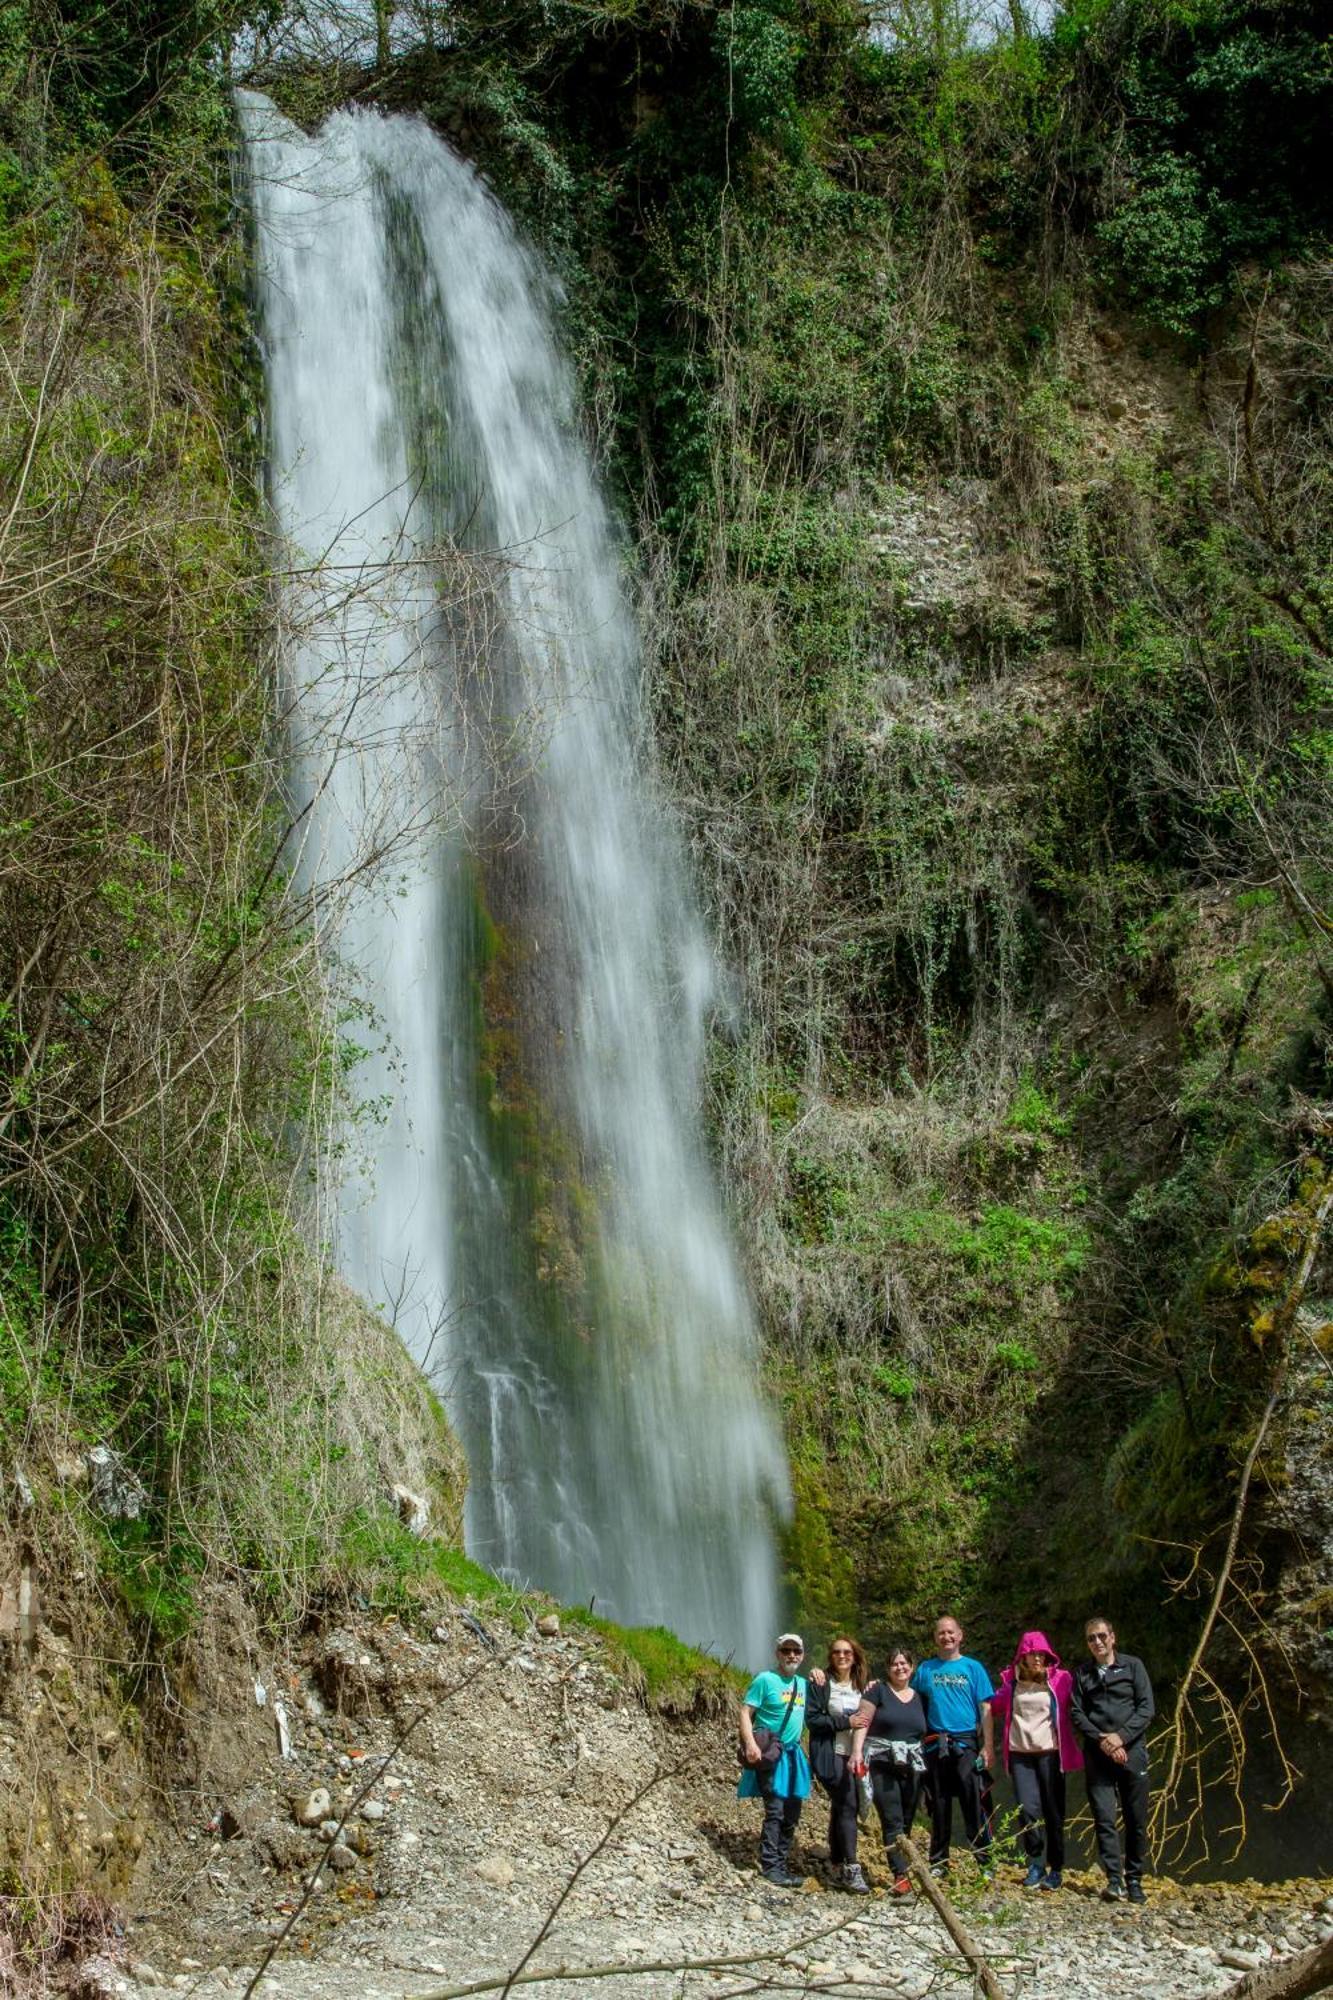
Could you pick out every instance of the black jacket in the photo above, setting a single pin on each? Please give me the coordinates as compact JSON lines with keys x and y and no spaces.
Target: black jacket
{"x":825,"y":1762}
{"x":1121,"y":1703}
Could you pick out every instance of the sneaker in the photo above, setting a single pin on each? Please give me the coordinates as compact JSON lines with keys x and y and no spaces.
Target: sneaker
{"x":854,"y":1880}
{"x":902,"y":1885}
{"x":780,"y":1879}
{"x":1113,"y":1892}
{"x":940,"y":1870}
{"x":1135,"y":1893}
{"x":1033,"y":1878}
{"x":1053,"y":1879}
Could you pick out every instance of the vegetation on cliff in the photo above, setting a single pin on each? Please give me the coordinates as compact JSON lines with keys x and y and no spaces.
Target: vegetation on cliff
{"x":969,"y":398}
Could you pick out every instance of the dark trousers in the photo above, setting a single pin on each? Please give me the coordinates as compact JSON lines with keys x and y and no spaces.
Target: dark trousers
{"x":1040,"y":1785}
{"x":841,"y":1813}
{"x":781,"y":1817}
{"x":896,"y":1791}
{"x":1116,"y":1785}
{"x":953,"y":1775}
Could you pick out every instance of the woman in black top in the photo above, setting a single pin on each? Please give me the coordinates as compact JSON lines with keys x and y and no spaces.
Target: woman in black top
{"x":886,"y":1735}
{"x":833,"y":1699}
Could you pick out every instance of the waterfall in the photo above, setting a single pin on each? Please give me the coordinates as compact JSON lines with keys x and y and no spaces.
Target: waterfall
{"x":526,"y":1190}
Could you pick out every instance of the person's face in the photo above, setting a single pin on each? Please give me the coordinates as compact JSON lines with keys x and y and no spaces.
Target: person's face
{"x":789,"y":1659}
{"x":1034,"y":1666}
{"x":1101,"y":1643}
{"x":948,"y":1638}
{"x":842,"y":1659}
{"x":900,"y":1670}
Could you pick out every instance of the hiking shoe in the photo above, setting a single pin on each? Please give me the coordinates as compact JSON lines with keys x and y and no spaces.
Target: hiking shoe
{"x":1113,"y":1892}
{"x":779,"y":1878}
{"x":1033,"y":1878}
{"x":1135,"y":1893}
{"x":1053,"y":1879}
{"x":854,"y":1880}
{"x":902,"y":1885}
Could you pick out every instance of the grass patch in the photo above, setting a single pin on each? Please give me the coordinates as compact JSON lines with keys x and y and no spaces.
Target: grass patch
{"x":673,"y":1678}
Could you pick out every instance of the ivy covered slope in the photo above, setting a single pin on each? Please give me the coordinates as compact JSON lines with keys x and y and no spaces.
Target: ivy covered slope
{"x":186,"y":1404}
{"x":970,"y":402}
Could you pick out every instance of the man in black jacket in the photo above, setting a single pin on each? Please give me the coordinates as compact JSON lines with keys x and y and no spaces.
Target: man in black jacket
{"x":1111,"y":1707}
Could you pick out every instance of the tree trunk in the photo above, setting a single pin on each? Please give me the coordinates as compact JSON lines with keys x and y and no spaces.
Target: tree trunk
{"x":1309,"y":1972}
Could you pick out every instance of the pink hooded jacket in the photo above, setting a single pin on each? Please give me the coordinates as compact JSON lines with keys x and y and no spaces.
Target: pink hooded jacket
{"x":1062,"y":1686}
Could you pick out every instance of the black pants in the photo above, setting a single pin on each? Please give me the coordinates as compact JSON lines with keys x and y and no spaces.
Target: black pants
{"x":1040,"y":1785}
{"x":896,"y":1789}
{"x":841,"y":1813}
{"x":1110,"y":1786}
{"x":781,"y":1817}
{"x":953,"y":1775}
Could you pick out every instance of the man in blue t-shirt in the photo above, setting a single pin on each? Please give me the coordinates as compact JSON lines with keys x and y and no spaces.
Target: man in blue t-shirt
{"x":956,"y":1693}
{"x":772,"y":1718}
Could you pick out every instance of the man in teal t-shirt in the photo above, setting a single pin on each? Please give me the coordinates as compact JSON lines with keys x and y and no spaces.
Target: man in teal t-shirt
{"x":771,"y":1721}
{"x":956,"y":1693}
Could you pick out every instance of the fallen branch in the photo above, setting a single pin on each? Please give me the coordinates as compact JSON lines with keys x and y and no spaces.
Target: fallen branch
{"x":1309,"y":1972}
{"x":628,"y":1968}
{"x":982,"y":1971}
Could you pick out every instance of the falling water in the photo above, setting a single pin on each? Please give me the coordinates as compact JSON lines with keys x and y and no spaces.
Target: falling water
{"x":526,"y":1190}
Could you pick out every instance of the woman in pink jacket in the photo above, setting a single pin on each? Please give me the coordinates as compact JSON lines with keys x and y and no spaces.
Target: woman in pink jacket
{"x":1038,"y":1745}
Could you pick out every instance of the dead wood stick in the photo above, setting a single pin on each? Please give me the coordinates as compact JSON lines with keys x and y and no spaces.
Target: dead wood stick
{"x":1309,"y":1972}
{"x":623,"y":1968}
{"x":977,"y":1961}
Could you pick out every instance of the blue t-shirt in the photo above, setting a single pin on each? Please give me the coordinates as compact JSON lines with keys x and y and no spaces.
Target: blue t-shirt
{"x":778,"y":1704}
{"x":953,"y":1691}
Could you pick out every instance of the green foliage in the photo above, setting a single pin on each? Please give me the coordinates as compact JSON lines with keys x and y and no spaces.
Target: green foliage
{"x":674,"y":1678}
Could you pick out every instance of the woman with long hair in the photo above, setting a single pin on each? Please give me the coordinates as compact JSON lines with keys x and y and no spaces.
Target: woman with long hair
{"x":834,"y":1698}
{"x":887,"y":1736}
{"x":1039,"y":1745}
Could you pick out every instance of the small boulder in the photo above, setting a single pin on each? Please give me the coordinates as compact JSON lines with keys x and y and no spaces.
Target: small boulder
{"x":116,"y":1492}
{"x":413,"y":1510}
{"x":341,"y":1857}
{"x":373,"y":1809}
{"x":314,"y":1807}
{"x":493,"y":1868}
{"x":549,"y":1625}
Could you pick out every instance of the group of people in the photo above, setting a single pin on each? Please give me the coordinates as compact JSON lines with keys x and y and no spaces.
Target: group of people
{"x":930,"y":1728}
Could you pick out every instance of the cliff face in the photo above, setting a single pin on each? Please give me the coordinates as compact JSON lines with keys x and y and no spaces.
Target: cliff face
{"x":971,"y":405}
{"x":970,"y":411}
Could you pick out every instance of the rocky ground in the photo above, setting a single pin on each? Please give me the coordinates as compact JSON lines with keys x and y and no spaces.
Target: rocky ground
{"x":438,"y":1864}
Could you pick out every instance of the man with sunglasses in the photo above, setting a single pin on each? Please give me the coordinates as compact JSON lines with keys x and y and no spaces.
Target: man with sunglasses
{"x":776,"y":1769}
{"x":1111,"y":1706}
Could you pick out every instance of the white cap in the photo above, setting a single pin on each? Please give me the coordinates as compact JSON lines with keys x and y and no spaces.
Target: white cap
{"x":789,"y":1639}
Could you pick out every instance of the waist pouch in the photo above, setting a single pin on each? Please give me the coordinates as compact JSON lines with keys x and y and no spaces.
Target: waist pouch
{"x":940,"y":1744}
{"x":770,"y":1750}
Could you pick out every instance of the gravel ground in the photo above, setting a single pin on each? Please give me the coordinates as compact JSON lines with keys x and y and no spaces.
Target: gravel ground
{"x":445,"y":1872}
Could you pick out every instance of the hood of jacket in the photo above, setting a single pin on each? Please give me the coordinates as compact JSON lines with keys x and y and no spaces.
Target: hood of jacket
{"x":1035,"y":1642}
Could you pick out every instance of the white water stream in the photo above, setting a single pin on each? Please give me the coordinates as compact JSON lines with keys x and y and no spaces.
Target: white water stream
{"x":531,"y":1200}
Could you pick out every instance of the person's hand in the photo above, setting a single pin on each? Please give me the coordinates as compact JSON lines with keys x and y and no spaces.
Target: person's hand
{"x":818,"y":1676}
{"x":857,"y":1766}
{"x":751,"y":1752}
{"x":1120,"y":1755}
